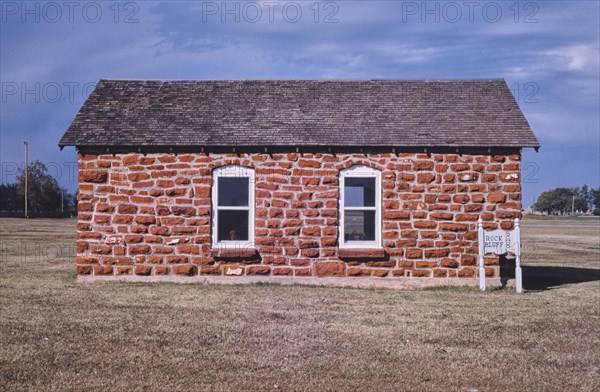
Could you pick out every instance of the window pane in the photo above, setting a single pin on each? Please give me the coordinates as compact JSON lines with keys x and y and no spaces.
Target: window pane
{"x":359,"y":192}
{"x":359,"y":226}
{"x":233,"y":191}
{"x":233,"y":225}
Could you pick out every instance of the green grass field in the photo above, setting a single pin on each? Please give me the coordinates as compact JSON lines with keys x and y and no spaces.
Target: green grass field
{"x":56,"y":334}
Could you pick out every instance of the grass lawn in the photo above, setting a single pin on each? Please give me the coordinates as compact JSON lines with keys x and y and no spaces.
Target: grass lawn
{"x":58,"y":334}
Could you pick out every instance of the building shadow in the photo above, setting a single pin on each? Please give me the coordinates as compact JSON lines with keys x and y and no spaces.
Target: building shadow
{"x":541,"y":277}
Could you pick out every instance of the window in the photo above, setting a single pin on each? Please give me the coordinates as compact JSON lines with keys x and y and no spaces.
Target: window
{"x":233,"y":207}
{"x":360,"y":208}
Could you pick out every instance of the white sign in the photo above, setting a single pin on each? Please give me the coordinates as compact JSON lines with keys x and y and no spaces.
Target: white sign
{"x":500,"y":242}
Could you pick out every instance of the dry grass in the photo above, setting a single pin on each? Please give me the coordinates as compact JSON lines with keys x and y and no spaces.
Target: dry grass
{"x":563,"y":242}
{"x":57,"y":334}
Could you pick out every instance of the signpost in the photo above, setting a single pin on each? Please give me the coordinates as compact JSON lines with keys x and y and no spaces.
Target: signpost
{"x":500,"y":242}
{"x":26,"y":177}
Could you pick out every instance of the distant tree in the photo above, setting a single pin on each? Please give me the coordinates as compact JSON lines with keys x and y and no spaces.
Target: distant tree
{"x":595,"y":193}
{"x":587,"y":193}
{"x":75,"y":201}
{"x":560,"y":201}
{"x":11,"y":197}
{"x":44,"y":193}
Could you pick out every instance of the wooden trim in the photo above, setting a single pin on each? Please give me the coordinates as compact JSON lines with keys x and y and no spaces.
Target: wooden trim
{"x":360,"y":171}
{"x":145,"y":149}
{"x":233,"y":171}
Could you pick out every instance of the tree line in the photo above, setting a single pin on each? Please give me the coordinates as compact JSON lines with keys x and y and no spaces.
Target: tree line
{"x":44,"y":193}
{"x":564,"y":201}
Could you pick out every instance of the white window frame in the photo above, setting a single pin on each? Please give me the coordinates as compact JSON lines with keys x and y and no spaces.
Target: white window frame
{"x":232,"y":171}
{"x":361,"y":172}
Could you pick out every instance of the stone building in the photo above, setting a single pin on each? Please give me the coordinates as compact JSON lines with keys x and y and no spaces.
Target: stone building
{"x":367,"y":183}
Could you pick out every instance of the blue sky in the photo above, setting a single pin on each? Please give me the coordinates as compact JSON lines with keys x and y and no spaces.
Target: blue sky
{"x":52,"y":53}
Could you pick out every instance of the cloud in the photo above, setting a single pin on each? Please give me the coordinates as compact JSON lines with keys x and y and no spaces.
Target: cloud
{"x":575,"y":58}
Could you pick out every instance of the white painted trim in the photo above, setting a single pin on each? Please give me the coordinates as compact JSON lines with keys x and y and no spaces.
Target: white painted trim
{"x":360,"y":171}
{"x":518,"y":270}
{"x":233,"y":171}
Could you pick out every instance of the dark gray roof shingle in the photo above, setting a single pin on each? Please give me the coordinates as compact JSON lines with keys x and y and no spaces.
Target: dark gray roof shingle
{"x":437,"y":113}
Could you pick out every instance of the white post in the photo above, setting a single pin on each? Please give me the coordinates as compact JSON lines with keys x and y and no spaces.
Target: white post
{"x":481,"y":236}
{"x":518,"y":272}
{"x":26,"y":178}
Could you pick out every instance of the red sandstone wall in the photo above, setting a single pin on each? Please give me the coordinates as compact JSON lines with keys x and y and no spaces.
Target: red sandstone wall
{"x":151,"y":214}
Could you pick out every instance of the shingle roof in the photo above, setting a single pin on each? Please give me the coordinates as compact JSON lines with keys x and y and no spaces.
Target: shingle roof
{"x":436,"y":113}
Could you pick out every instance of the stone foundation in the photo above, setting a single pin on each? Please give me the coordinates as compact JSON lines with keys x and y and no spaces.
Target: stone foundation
{"x":364,"y":282}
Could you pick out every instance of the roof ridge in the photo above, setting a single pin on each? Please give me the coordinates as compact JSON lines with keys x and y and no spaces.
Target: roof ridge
{"x":307,"y":80}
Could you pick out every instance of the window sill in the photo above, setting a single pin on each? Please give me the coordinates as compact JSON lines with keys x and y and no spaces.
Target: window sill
{"x":234,"y":253}
{"x":361,"y":253}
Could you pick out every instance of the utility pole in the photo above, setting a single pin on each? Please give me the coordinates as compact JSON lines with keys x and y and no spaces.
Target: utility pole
{"x":573,"y":205}
{"x":26,"y":176}
{"x":62,"y":201}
